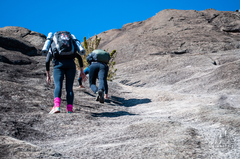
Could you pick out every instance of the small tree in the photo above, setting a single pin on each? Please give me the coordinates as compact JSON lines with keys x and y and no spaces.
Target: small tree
{"x":92,"y":44}
{"x":112,"y":71}
{"x":89,"y":45}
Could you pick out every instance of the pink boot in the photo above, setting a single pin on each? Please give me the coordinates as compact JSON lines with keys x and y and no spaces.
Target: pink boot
{"x":56,"y":108}
{"x":69,"y":108}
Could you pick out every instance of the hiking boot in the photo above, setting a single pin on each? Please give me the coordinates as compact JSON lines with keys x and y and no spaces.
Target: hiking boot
{"x":101,"y":96}
{"x":55,"y":110}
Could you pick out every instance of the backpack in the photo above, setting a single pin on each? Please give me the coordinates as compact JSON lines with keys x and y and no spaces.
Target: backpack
{"x":101,"y":56}
{"x":63,"y":45}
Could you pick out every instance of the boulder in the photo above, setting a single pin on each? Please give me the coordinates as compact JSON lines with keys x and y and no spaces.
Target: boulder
{"x":21,"y":39}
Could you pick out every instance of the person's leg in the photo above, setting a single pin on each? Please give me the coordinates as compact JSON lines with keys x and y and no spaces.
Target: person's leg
{"x":86,"y":71}
{"x":102,"y":76}
{"x":58,"y":75}
{"x":93,"y":74}
{"x":70,"y":75}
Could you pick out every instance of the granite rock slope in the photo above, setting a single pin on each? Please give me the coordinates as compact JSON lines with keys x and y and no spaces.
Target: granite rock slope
{"x":176,"y":93}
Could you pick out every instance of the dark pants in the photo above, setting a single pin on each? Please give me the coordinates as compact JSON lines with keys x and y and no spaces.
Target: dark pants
{"x":86,"y":71}
{"x":100,"y":71}
{"x":65,"y":68}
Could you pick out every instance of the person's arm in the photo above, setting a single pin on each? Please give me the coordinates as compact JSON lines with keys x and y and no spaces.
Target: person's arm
{"x":48,"y":77}
{"x":48,"y":59}
{"x":105,"y":82}
{"x":80,"y":62}
{"x":106,"y":96}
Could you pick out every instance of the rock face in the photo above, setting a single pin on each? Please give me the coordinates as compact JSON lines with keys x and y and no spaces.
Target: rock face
{"x":17,"y":43}
{"x":176,"y":94}
{"x":175,"y":32}
{"x":23,"y":40}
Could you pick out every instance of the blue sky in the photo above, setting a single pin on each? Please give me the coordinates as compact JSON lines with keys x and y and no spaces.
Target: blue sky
{"x":90,"y":17}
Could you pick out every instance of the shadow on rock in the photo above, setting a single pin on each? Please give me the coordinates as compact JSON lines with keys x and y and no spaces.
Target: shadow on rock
{"x":129,"y":102}
{"x":111,"y":114}
{"x":89,"y":93}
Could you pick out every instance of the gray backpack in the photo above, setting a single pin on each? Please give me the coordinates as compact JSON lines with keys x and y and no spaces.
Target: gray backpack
{"x":63,"y":45}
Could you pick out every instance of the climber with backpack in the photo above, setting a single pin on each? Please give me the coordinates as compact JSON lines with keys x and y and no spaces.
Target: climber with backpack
{"x":98,"y":60}
{"x":62,"y":48}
